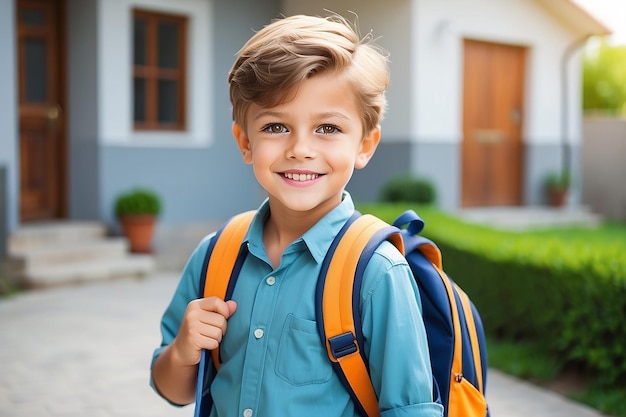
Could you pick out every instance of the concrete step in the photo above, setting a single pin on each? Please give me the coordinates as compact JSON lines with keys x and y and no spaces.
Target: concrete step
{"x":54,"y":254}
{"x":86,"y":271}
{"x":51,"y":233}
{"x":530,"y":217}
{"x":66,"y":252}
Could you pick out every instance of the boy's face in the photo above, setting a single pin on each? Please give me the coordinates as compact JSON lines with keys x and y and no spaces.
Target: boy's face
{"x":303,"y":152}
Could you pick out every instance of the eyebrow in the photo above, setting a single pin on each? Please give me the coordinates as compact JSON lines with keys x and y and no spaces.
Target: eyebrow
{"x":268,"y":113}
{"x":324,"y":115}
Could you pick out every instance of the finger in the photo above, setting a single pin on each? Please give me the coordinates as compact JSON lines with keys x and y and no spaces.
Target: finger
{"x":212,"y":337}
{"x":214,"y":304}
{"x":232,"y":307}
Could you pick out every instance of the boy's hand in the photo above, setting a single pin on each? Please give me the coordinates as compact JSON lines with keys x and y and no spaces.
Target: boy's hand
{"x":203,"y":326}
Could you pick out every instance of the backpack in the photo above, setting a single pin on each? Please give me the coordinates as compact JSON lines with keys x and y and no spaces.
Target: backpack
{"x":454,"y":329}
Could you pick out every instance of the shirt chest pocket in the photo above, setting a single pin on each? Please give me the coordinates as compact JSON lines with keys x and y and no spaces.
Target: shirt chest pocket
{"x":301,"y":358}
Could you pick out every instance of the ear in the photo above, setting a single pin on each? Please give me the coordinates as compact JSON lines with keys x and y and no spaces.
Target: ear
{"x":243,"y":143}
{"x":367,"y":148}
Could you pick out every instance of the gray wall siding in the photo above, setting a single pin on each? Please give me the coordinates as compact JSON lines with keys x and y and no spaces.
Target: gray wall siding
{"x":195,"y":184}
{"x":541,"y":159}
{"x":84,"y":162}
{"x":391,"y":159}
{"x":440,"y":162}
{"x":9,"y":136}
{"x":84,"y":182}
{"x":436,"y":162}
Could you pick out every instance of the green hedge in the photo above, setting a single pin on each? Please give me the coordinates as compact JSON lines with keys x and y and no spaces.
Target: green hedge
{"x":408,"y":188}
{"x":565,"y":292}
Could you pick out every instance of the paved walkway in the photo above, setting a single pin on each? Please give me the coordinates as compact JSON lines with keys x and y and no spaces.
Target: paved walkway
{"x":85,"y":351}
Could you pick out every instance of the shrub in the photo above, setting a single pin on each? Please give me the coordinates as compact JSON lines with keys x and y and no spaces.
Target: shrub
{"x":138,"y":201}
{"x":407,"y":188}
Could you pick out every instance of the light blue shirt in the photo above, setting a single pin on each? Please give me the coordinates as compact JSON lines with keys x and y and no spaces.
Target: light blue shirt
{"x":273,"y":361}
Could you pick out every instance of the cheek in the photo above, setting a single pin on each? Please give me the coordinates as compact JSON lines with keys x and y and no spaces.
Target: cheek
{"x":264,"y":154}
{"x":344,"y":159}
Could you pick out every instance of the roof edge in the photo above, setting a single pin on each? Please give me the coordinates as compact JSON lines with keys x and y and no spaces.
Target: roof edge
{"x":577,"y":17}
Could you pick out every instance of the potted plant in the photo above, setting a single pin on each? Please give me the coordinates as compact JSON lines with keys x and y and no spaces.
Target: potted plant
{"x":137,"y":211}
{"x":557,"y":185}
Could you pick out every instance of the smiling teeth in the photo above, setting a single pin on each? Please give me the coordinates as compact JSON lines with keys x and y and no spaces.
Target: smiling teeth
{"x":301,"y":177}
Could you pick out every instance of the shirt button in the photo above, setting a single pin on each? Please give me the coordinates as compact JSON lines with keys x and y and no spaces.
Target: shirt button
{"x":258,"y":333}
{"x":270,"y":280}
{"x":247,"y":412}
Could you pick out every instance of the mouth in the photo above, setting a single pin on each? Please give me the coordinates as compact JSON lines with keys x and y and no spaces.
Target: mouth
{"x":301,"y":177}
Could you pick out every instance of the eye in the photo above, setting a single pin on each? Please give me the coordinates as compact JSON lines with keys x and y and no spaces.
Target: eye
{"x":274,"y":128}
{"x":328,"y":129}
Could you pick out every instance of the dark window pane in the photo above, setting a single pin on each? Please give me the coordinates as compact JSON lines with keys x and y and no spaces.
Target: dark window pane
{"x":139,"y":41}
{"x":167,"y":101}
{"x":168,"y":44}
{"x":31,"y":17}
{"x":36,"y":69}
{"x":139,"y":94}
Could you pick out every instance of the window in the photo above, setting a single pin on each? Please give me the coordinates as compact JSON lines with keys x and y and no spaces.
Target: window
{"x":159,"y":56}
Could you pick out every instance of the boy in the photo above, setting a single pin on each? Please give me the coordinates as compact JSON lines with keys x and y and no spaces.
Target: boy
{"x":307,"y":96}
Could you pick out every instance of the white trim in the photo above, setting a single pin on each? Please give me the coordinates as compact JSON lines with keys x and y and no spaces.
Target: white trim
{"x":115,"y":69}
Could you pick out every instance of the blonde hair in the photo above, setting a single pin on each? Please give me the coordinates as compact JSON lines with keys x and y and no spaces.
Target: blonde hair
{"x":278,"y":58}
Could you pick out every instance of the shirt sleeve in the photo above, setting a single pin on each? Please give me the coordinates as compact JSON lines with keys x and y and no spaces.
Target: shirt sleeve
{"x":395,"y":337}
{"x":188,"y":289}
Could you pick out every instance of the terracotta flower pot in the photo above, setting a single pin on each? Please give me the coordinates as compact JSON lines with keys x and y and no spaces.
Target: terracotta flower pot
{"x":557,"y":197}
{"x":138,"y":229}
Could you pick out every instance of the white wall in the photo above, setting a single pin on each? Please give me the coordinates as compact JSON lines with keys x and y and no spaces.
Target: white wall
{"x":441,"y":26}
{"x":115,"y":103}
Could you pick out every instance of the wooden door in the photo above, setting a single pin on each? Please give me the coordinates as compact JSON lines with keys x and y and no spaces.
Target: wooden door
{"x":41,"y":88}
{"x":493,"y":93}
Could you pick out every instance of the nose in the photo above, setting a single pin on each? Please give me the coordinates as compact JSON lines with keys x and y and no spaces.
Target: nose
{"x":300,"y":147}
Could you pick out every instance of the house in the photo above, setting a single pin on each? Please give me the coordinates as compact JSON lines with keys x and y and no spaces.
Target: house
{"x":99,"y":96}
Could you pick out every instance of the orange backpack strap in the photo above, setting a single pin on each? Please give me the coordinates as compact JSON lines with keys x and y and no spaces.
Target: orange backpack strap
{"x":462,"y":402}
{"x":433,"y":254}
{"x":471,"y":328}
{"x":222,"y":258}
{"x":457,"y":361}
{"x":338,"y":299}
{"x":222,"y":263}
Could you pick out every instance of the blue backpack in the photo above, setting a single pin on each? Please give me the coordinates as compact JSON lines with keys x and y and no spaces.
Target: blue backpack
{"x":455,"y":334}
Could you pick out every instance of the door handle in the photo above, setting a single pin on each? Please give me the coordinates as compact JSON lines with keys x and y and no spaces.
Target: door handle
{"x":53,"y":113}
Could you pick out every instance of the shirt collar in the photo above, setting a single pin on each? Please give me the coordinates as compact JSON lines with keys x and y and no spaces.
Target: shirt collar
{"x":318,"y":238}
